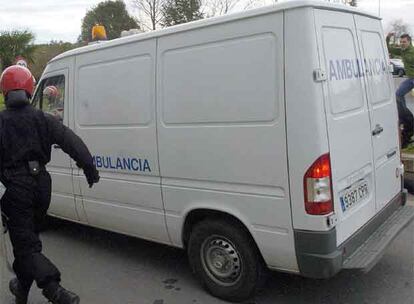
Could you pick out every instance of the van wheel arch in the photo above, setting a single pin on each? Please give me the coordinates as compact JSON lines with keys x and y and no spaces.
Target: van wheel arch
{"x":198,"y":215}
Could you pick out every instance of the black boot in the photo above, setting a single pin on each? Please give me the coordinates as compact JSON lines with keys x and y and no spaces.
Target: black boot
{"x":19,"y":291}
{"x":56,"y":294}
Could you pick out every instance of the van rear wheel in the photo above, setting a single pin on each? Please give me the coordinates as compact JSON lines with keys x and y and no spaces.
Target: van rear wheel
{"x":225,"y":259}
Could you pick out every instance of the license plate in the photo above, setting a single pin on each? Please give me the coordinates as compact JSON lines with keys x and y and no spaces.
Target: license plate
{"x":354,"y":195}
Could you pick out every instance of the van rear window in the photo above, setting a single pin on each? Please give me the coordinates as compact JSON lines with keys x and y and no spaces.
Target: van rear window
{"x":379,"y":85}
{"x":341,"y":56}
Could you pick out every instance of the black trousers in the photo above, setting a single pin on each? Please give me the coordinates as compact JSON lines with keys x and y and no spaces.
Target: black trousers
{"x":25,"y":203}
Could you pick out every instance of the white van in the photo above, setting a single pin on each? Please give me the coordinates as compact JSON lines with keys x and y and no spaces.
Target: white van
{"x":264,"y":138}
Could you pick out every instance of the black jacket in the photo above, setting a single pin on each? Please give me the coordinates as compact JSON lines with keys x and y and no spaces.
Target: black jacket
{"x":28,"y":134}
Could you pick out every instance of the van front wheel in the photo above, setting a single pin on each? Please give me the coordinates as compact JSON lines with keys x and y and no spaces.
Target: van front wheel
{"x":225,"y":259}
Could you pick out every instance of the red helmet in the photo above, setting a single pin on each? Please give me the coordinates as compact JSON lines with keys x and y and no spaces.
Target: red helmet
{"x":16,"y":77}
{"x":51,"y":91}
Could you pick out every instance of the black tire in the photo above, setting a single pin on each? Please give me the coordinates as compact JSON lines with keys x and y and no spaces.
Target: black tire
{"x":401,"y":73}
{"x":217,"y":242}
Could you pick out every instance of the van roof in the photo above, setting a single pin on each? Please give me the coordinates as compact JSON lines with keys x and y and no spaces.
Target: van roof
{"x":215,"y":20}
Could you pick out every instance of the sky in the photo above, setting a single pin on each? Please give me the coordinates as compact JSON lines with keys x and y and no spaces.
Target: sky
{"x":61,"y":19}
{"x":47,"y":19}
{"x":390,"y":10}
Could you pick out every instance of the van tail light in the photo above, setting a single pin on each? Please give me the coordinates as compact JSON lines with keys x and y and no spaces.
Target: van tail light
{"x":317,"y":184}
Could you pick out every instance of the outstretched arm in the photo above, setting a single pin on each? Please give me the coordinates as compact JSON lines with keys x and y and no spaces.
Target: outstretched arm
{"x":73,"y":145}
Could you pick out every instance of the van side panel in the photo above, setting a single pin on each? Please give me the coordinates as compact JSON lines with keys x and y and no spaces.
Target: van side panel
{"x":115,"y":115}
{"x":222,"y":132}
{"x":305,"y":112}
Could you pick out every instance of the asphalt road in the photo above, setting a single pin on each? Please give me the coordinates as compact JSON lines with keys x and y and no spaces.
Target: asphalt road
{"x":108,"y":268}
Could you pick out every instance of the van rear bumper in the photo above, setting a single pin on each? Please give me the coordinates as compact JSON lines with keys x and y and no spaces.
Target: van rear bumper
{"x":319,"y":257}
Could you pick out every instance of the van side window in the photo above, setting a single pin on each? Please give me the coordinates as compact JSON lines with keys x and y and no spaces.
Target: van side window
{"x":50,"y":96}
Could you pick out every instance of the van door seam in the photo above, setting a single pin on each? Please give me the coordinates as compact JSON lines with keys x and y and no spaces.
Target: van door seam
{"x":156,"y":77}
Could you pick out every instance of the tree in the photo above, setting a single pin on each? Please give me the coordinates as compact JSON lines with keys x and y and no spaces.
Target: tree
{"x":351,"y":2}
{"x":151,"y":9}
{"x":220,"y":7}
{"x":348,"y":2}
{"x":181,"y":11}
{"x":16,"y":43}
{"x":212,"y":8}
{"x":46,"y":52}
{"x":399,"y":27}
{"x":111,"y":14}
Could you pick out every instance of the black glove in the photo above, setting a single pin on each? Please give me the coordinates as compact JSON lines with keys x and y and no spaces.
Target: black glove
{"x":92,"y":175}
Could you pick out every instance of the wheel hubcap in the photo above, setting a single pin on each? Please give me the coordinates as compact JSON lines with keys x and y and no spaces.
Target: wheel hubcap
{"x":221,"y":261}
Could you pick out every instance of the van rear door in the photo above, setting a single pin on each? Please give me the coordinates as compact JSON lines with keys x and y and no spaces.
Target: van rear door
{"x":348,"y":122}
{"x":383,"y":111}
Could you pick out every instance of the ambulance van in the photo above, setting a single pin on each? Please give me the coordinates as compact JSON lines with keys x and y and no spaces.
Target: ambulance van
{"x":263,"y":139}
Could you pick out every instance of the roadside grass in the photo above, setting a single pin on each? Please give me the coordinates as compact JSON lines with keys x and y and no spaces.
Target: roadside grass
{"x":409,"y":149}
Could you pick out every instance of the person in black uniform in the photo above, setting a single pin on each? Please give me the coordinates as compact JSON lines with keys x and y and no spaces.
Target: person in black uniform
{"x":26,"y":137}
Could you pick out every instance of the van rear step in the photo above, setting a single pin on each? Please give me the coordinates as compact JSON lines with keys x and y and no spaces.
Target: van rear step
{"x":368,"y":254}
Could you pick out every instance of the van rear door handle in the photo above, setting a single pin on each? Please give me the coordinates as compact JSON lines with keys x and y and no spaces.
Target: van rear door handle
{"x":391,"y":154}
{"x":378,"y":129}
